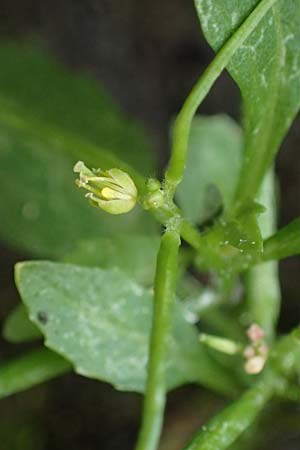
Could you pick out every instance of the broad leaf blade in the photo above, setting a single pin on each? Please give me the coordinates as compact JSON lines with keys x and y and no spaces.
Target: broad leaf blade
{"x":45,"y":91}
{"x":213,"y":166}
{"x":100,"y":320}
{"x":41,"y":210}
{"x":267,"y":70}
{"x":133,"y":254}
{"x":48,"y":120}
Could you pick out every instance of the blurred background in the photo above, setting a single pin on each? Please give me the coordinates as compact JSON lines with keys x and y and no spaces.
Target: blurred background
{"x":147,"y":55}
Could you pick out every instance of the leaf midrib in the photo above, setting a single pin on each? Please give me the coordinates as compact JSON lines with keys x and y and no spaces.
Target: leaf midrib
{"x":13,"y":114}
{"x":276,"y":84}
{"x":249,"y":190}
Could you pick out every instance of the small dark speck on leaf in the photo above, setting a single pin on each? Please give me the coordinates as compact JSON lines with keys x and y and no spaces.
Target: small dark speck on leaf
{"x":42,"y":317}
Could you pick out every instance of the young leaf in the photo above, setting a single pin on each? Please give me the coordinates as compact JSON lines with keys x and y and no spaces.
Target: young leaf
{"x":212,"y":169}
{"x":18,"y":328}
{"x":267,"y":70}
{"x":29,"y":370}
{"x":100,"y":320}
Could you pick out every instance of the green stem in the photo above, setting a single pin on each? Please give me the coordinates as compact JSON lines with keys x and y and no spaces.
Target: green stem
{"x":183,"y":122}
{"x":193,"y":236}
{"x":164,"y":288}
{"x":263,"y":296}
{"x":226,"y":427}
{"x":187,"y":231}
{"x":29,"y":370}
{"x":263,"y":289}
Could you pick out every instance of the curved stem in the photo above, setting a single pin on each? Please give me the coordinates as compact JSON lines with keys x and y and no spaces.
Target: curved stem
{"x":164,"y":287}
{"x":183,"y":122}
{"x":226,"y":427}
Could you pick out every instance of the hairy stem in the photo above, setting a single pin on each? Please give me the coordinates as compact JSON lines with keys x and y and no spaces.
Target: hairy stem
{"x":183,"y":122}
{"x":164,"y":288}
{"x":187,"y":231}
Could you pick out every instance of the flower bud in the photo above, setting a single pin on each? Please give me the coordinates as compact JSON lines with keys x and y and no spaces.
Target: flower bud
{"x":220,"y":344}
{"x":255,"y":333}
{"x":154,"y":200}
{"x":254,"y":365}
{"x":153,"y":185}
{"x":154,"y":197}
{"x":256,"y":353}
{"x":112,"y":190}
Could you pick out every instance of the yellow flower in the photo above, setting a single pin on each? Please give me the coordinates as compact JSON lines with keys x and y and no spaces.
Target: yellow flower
{"x":112,"y":190}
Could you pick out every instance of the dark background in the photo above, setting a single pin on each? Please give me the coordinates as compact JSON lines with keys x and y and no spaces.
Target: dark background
{"x":148,"y":54}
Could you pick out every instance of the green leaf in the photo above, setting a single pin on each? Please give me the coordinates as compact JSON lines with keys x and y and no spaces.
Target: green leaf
{"x":100,"y":320}
{"x":38,"y":89}
{"x":267,"y":69}
{"x":41,"y":209}
{"x":233,"y":239}
{"x":48,"y":120}
{"x":18,"y":328}
{"x":212,"y":169}
{"x":243,"y":231}
{"x":133,"y":254}
{"x":29,"y":370}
